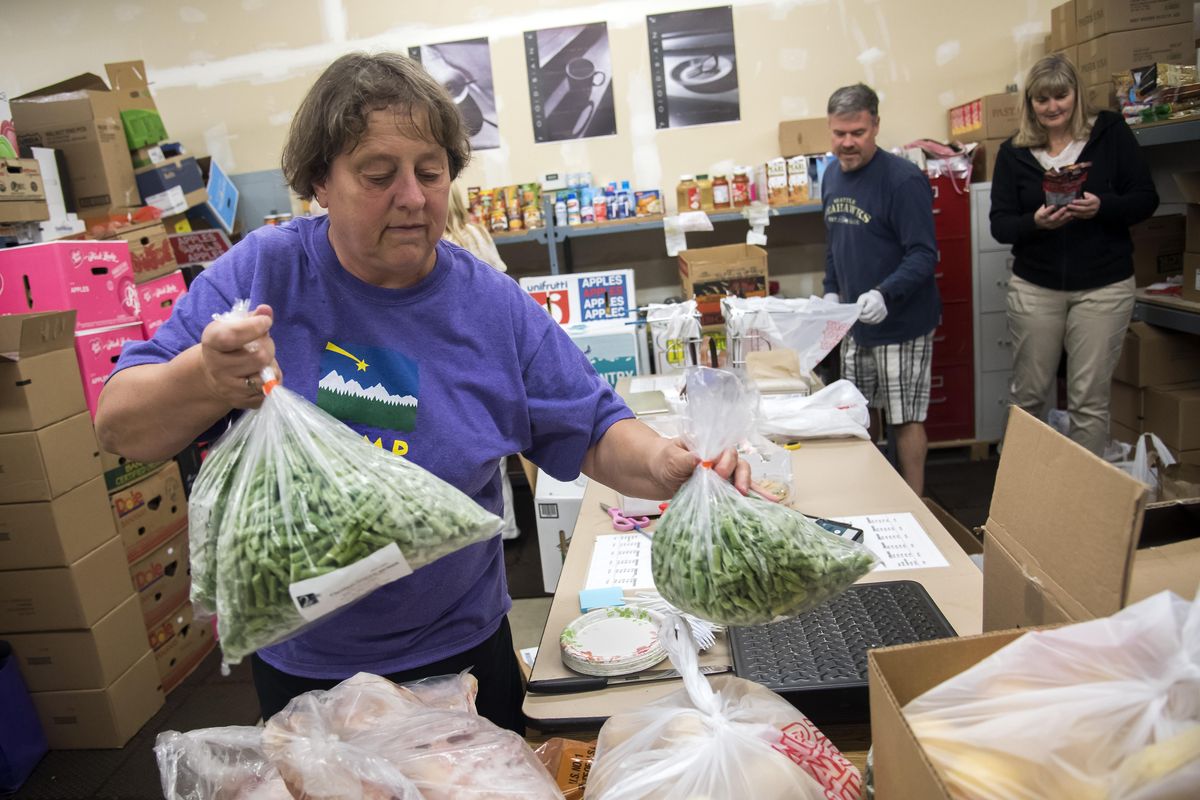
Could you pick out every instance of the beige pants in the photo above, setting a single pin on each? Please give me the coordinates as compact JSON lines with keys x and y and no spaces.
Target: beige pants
{"x":1091,"y":325}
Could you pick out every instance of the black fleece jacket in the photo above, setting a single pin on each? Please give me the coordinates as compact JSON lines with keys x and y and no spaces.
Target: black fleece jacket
{"x":1084,"y":253}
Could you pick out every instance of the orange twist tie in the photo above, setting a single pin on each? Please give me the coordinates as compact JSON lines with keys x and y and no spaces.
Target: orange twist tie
{"x":707,"y":464}
{"x":269,"y":385}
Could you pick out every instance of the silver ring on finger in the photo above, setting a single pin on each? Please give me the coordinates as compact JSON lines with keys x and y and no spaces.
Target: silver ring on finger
{"x":252,"y":383}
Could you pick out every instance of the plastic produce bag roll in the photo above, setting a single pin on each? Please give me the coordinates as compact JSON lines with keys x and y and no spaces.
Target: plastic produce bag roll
{"x":294,"y":516}
{"x":739,"y":560}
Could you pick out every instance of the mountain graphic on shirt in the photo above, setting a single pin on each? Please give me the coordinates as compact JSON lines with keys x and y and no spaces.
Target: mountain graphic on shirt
{"x":368,"y":386}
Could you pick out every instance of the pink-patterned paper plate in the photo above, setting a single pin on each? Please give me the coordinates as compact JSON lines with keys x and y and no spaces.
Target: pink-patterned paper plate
{"x":612,"y":641}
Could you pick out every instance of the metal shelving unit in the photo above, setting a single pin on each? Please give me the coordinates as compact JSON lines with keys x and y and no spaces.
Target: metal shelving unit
{"x":553,"y":235}
{"x":1168,"y":132}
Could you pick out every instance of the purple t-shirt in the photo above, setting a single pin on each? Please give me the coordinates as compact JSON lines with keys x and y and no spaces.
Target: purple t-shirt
{"x":476,"y":371}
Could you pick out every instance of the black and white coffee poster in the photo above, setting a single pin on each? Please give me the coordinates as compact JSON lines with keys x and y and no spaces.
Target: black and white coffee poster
{"x":693,"y":67}
{"x":570,"y":82}
{"x":465,"y":69}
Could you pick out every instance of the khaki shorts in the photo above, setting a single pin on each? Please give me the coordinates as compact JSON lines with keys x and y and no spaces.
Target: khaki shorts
{"x":893,"y":377}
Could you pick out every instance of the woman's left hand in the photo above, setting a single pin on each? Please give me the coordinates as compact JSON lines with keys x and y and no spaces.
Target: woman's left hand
{"x":1084,"y":207}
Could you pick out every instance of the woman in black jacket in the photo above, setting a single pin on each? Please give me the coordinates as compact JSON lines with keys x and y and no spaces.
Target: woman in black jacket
{"x":1072,"y":283}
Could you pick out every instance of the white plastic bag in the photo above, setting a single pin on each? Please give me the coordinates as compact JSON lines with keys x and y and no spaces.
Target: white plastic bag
{"x":739,"y":560}
{"x":217,"y":764}
{"x":674,"y":334}
{"x":837,"y":410}
{"x":812,"y":327}
{"x":742,"y":741}
{"x":1103,"y":709}
{"x":1147,"y":458}
{"x":294,"y":515}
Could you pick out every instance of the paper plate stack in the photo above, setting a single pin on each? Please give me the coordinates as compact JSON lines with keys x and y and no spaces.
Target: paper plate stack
{"x":612,"y":641}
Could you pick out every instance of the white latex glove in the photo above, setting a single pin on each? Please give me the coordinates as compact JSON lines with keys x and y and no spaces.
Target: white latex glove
{"x":832,"y":297}
{"x":871,"y":308}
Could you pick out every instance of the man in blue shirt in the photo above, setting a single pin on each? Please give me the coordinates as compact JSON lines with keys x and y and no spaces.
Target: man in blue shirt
{"x":881,"y":251}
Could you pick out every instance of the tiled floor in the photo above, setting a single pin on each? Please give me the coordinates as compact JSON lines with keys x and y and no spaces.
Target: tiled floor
{"x":960,"y":486}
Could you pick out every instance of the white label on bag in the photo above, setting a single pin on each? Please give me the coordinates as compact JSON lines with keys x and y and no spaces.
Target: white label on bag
{"x":316,"y":597}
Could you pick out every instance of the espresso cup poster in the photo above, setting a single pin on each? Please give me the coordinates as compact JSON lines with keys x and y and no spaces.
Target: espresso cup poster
{"x":693,"y":67}
{"x":465,"y":69}
{"x":570,"y":82}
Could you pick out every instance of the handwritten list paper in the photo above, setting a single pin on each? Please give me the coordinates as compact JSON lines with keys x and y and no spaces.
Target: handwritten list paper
{"x":620,"y":559}
{"x":898,"y":540}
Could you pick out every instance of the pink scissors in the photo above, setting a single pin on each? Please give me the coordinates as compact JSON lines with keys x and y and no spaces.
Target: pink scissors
{"x":621,"y":522}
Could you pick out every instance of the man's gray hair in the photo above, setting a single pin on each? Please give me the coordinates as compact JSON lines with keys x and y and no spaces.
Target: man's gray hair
{"x":852,"y":100}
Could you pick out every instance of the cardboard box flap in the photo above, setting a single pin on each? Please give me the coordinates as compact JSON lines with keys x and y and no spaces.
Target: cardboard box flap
{"x":127,"y":76}
{"x":26,"y":335}
{"x":1061,"y":511}
{"x":80,"y":83}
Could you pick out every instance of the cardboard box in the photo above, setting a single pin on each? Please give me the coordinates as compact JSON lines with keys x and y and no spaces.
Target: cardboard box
{"x":139,"y":116}
{"x":199,"y":247}
{"x":1173,"y":412}
{"x":39,"y":377}
{"x":120,"y":471}
{"x":1097,"y":17}
{"x":56,"y":533}
{"x":1102,"y":97}
{"x":84,"y":659}
{"x":1125,"y":406}
{"x":22,"y":191}
{"x":1071,"y":53}
{"x":94,"y":278}
{"x":1063,"y":30}
{"x":87,"y":719}
{"x":180,"y":642}
{"x":150,"y":252}
{"x":983,"y":165}
{"x":1153,"y":356}
{"x":43,"y":464}
{"x":163,"y":578}
{"x":157,"y":299}
{"x":174,"y":186}
{"x":98,"y":352}
{"x":711,"y":273}
{"x":150,"y":512}
{"x":1068,"y":537}
{"x":1104,"y":55}
{"x":995,"y":116}
{"x":1121,"y":433}
{"x":897,"y":675}
{"x":65,"y":598}
{"x":80,"y":117}
{"x":1191,"y":277}
{"x":557,"y":504}
{"x":802,"y":137}
{"x":1158,"y":248}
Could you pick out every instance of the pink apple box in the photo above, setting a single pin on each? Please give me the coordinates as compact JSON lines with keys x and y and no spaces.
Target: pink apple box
{"x":94,"y":278}
{"x":157,"y":299}
{"x":97,"y":351}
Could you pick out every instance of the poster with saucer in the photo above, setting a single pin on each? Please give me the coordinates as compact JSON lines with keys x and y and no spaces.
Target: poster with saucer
{"x":465,"y":69}
{"x":693,"y":66}
{"x":570,"y":82}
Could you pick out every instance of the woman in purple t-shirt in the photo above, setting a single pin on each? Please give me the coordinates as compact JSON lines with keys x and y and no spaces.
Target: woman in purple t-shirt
{"x":377,"y":143}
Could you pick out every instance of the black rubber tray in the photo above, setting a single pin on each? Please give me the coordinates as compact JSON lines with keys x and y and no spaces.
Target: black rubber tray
{"x":826,"y":648}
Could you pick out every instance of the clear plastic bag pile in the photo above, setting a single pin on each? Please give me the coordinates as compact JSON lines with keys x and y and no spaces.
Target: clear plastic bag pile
{"x":294,"y":515}
{"x":1108,"y":708}
{"x":364,"y":739}
{"x":741,"y":741}
{"x":739,"y":560}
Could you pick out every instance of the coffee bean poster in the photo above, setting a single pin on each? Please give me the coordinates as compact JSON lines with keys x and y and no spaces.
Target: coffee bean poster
{"x":693,"y":67}
{"x":570,"y":82}
{"x":465,"y":69}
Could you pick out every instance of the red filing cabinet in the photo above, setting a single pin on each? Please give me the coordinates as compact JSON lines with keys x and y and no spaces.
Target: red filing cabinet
{"x":952,"y":390}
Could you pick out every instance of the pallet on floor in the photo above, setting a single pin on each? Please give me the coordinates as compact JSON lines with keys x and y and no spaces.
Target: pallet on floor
{"x":978,"y":450}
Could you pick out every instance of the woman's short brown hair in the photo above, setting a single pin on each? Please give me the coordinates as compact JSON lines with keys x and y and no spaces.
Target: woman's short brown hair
{"x":333,"y":116}
{"x":1051,"y":75}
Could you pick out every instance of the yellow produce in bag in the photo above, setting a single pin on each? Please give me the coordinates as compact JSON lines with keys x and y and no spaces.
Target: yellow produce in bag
{"x":1108,"y":708}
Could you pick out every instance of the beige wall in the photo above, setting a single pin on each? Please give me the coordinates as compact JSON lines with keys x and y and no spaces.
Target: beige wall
{"x":228,"y":73}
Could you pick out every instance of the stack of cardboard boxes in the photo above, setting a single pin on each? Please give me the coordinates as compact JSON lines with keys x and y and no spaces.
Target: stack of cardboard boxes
{"x":67,"y":603}
{"x":1107,"y":37}
{"x":1156,"y":389}
{"x":1189,"y":184}
{"x":987,"y":121}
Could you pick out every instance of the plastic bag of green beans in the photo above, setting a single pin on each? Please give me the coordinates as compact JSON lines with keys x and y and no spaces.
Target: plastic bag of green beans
{"x":739,"y":560}
{"x":294,"y":516}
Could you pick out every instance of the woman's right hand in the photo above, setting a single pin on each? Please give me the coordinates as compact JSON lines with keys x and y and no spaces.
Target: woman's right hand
{"x":233,"y":352}
{"x":1050,"y":217}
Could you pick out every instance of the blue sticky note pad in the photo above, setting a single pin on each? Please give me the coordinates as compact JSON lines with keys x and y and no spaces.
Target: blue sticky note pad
{"x":603,"y":597}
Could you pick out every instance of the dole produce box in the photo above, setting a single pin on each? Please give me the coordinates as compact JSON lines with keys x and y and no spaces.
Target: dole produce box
{"x":584,"y":297}
{"x":94,"y":278}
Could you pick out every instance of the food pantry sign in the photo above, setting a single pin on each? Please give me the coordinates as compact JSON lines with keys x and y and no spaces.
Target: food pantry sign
{"x":585,"y":296}
{"x":199,"y":247}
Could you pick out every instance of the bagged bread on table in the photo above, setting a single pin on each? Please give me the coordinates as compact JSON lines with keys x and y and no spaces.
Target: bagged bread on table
{"x":738,"y":560}
{"x":739,"y":741}
{"x":294,"y":515}
{"x":1108,"y":708}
